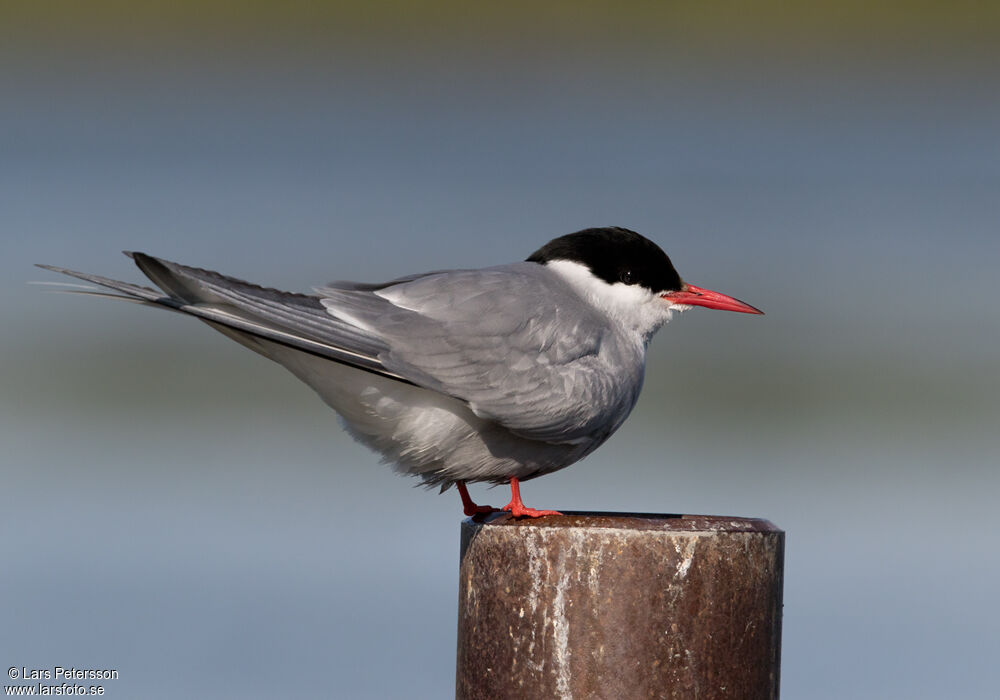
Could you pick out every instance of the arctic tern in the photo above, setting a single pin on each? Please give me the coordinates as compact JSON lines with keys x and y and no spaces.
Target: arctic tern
{"x":496,"y":375}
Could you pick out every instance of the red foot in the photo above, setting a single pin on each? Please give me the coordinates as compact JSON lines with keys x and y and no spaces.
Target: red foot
{"x":468,"y":505}
{"x":518,"y":509}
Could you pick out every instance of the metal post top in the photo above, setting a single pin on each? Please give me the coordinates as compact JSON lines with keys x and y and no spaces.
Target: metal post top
{"x":661,"y":522}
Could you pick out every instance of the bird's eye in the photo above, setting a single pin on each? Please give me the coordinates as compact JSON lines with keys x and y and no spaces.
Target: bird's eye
{"x":626,"y":276}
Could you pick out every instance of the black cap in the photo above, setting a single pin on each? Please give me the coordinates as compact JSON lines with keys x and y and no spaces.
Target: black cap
{"x":614,"y":254}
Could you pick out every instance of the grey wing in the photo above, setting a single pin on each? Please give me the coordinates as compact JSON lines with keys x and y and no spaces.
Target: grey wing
{"x":518,"y":350}
{"x":298,"y":321}
{"x":541,"y":371}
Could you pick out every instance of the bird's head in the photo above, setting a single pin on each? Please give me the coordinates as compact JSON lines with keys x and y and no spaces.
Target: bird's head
{"x":628,"y":277}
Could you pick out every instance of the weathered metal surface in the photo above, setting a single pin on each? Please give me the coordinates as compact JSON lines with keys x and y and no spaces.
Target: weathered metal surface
{"x":605,"y":605}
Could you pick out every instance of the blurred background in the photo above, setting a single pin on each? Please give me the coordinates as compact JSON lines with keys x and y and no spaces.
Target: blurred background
{"x":180,"y":509}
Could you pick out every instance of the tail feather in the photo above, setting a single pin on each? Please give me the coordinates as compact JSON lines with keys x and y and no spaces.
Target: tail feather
{"x":131,"y":291}
{"x":291,"y":320}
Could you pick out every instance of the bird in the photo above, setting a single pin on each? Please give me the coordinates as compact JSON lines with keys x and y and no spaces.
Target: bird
{"x":498,"y":374}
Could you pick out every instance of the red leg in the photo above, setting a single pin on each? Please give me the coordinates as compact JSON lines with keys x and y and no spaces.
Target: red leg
{"x":468,"y":505}
{"x":518,"y":509}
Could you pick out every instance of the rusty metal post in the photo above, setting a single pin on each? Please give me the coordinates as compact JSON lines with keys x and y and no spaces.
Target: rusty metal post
{"x":612,"y":605}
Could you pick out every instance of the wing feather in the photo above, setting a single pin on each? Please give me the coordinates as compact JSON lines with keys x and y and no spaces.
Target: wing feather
{"x":549,"y":372}
{"x":544,"y":372}
{"x":291,"y":320}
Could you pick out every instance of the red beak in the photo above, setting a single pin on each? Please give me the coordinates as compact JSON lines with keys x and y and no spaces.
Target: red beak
{"x":696,"y":296}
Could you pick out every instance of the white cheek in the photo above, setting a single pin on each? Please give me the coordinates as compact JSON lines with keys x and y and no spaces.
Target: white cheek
{"x":635,"y":308}
{"x":597,"y":291}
